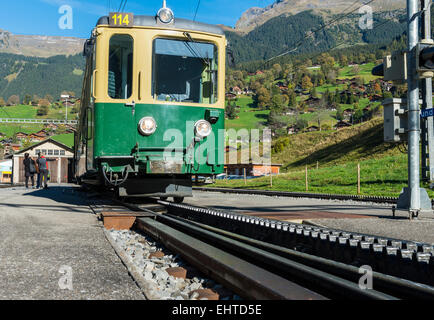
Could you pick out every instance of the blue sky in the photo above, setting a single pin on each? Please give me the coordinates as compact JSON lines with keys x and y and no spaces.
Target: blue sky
{"x":41,"y":16}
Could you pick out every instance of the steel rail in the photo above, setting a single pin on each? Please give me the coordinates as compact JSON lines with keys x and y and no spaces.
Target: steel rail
{"x":327,"y":196}
{"x":324,"y":282}
{"x":242,"y":277}
{"x":395,"y":257}
{"x":389,"y":284}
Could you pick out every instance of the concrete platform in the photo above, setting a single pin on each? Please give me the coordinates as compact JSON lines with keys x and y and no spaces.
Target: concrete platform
{"x":43,"y":231}
{"x":351,"y":216}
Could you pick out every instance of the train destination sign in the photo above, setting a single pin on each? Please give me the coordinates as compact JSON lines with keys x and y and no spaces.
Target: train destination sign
{"x":121,"y":19}
{"x":425,"y":113}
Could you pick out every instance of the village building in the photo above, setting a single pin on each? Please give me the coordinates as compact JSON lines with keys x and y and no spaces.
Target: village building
{"x":21,"y":135}
{"x":10,"y":148}
{"x":5,"y":171}
{"x":35,"y":137}
{"x":252,"y":169}
{"x":292,"y":130}
{"x":342,"y":124}
{"x":311,"y":129}
{"x":60,"y":169}
{"x":236,"y":90}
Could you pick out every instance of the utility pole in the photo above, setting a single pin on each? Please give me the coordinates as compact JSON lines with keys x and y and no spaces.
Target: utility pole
{"x":427,"y":125}
{"x":402,"y":122}
{"x":413,"y":197}
{"x":66,"y":97}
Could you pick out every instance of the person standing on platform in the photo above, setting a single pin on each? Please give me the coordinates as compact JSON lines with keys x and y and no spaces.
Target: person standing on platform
{"x":43,"y":170}
{"x":29,"y":170}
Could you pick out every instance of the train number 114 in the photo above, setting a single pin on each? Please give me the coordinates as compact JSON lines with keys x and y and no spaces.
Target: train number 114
{"x":120,"y":19}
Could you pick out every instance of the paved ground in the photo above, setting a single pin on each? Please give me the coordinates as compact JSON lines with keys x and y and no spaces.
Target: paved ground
{"x":43,"y":230}
{"x":347,"y":215}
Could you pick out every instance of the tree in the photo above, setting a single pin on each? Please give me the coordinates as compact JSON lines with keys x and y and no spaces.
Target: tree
{"x":49,"y":97}
{"x":306,"y":83}
{"x":277,"y":70}
{"x":277,"y":102}
{"x":13,"y":100}
{"x":35,"y":99}
{"x":230,"y":111}
{"x":301,"y":123}
{"x":344,"y":61}
{"x":356,"y":69}
{"x":2,"y":102}
{"x":263,"y":97}
{"x":43,"y":107}
{"x":339,"y":114}
{"x":27,"y":99}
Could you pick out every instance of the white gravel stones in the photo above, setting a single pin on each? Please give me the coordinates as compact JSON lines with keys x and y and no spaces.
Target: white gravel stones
{"x":163,"y":286}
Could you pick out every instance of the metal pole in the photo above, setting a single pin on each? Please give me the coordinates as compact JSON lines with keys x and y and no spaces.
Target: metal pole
{"x":413,"y":108}
{"x":427,"y":125}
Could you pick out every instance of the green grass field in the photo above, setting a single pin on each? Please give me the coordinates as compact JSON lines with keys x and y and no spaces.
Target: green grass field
{"x":249,"y":115}
{"x":380,"y":177}
{"x":9,"y":129}
{"x":30,"y":112}
{"x":365,"y":72}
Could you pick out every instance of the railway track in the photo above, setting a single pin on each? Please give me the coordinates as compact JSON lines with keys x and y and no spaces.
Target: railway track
{"x":325,"y":196}
{"x":266,"y":259}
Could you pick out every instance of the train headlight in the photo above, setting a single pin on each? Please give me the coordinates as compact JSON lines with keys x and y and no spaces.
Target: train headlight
{"x":165,"y":15}
{"x":202,"y":128}
{"x":147,"y":126}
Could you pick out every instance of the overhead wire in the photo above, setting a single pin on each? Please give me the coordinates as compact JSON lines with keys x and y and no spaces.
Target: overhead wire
{"x":197,"y":9}
{"x":125,"y":3}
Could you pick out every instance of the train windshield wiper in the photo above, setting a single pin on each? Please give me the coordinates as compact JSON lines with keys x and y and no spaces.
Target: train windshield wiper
{"x":193,"y":51}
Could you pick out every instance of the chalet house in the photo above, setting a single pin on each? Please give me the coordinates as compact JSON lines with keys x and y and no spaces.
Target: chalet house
{"x":21,"y":135}
{"x":10,"y":148}
{"x":311,"y":129}
{"x":35,"y":137}
{"x":51,"y":126}
{"x":42,"y":133}
{"x":236,"y":90}
{"x":313,"y":101}
{"x":348,"y":111}
{"x":292,"y":130}
{"x":342,"y":124}
{"x":376,"y":97}
{"x":259,"y":72}
{"x":230,"y":96}
{"x":252,"y":169}
{"x":5,"y":141}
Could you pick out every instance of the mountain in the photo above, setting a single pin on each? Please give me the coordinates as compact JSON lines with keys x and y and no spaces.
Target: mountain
{"x":39,"y":46}
{"x":21,"y":75}
{"x":255,"y":16}
{"x":294,"y":32}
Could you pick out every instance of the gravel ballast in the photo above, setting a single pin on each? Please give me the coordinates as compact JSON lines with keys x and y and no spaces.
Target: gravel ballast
{"x":154,"y":263}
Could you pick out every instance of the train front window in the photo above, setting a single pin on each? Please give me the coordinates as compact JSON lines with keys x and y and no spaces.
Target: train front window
{"x":120,"y":74}
{"x":184,"y":71}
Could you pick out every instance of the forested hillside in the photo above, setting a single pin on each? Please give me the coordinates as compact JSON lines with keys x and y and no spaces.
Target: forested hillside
{"x":22,"y":75}
{"x":284,"y":32}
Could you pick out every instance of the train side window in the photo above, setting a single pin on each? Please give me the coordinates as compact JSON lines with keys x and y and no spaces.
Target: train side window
{"x":120,"y":74}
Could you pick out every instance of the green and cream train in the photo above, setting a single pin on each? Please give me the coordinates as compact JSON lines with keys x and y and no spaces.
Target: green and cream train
{"x":152,"y":111}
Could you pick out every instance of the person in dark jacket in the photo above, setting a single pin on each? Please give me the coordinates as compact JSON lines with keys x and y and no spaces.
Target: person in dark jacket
{"x":43,"y":170}
{"x":29,"y":170}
